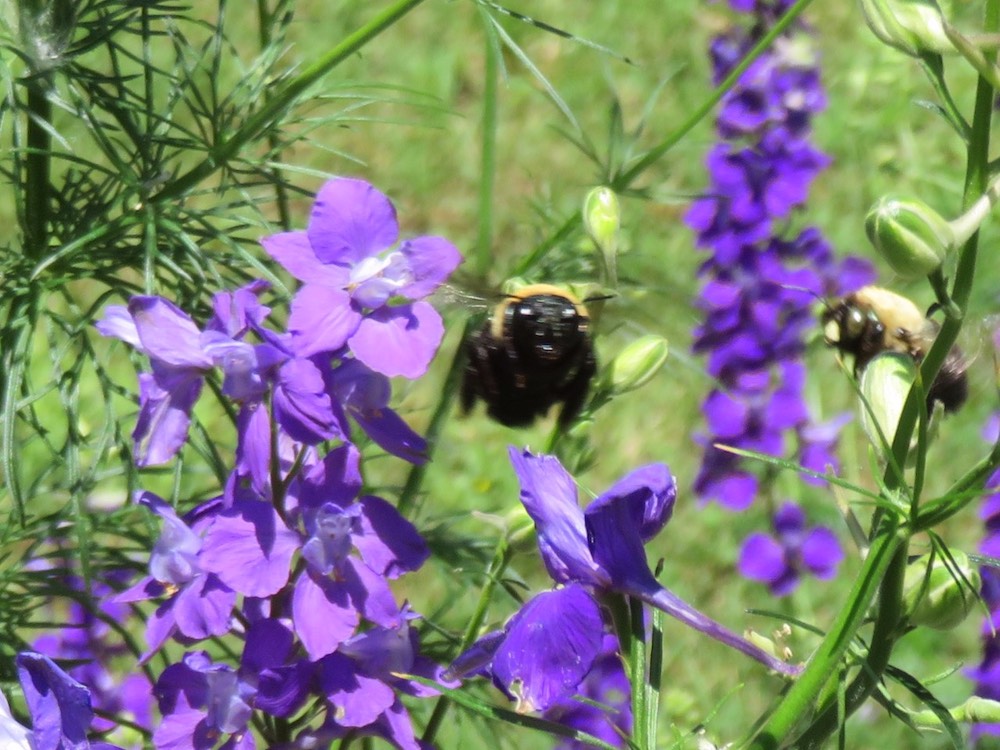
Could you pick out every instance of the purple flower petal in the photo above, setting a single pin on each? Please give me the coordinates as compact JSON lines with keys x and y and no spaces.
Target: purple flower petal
{"x":250,"y":548}
{"x":548,"y":493}
{"x":323,"y":614}
{"x":294,"y":252}
{"x":762,"y":559}
{"x":321,"y":320}
{"x":358,"y":700}
{"x":59,"y":705}
{"x":431,"y":261}
{"x":117,"y":323}
{"x":203,"y":608}
{"x":301,"y":404}
{"x":651,"y":491}
{"x":822,"y":553}
{"x":399,"y":341}
{"x":167,"y":333}
{"x":165,"y":404}
{"x":389,"y":544}
{"x":390,"y":433}
{"x":351,"y":221}
{"x":550,"y":646}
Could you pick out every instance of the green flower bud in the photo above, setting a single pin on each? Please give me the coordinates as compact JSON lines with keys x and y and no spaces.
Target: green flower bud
{"x":885,"y":381}
{"x":911,"y":26}
{"x":634,"y":365}
{"x":602,"y":217}
{"x":937,"y":597}
{"x":46,"y":28}
{"x":910,"y":235}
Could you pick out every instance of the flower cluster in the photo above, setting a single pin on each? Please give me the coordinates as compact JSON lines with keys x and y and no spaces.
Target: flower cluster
{"x":293,"y":560}
{"x":758,"y":285}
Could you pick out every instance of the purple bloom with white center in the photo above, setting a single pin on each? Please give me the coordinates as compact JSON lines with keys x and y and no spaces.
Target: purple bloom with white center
{"x":359,"y":290}
{"x":59,"y":706}
{"x":200,"y":702}
{"x":780,"y":561}
{"x":198,"y":604}
{"x":598,"y":549}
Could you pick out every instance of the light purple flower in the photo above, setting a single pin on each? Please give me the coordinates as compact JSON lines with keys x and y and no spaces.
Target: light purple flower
{"x":13,"y":736}
{"x":358,"y":291}
{"x":198,"y":604}
{"x":779,"y":561}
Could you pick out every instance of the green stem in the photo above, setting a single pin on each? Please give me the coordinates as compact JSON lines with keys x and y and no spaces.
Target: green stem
{"x":825,"y":662}
{"x":38,"y":165}
{"x":488,"y":166}
{"x":637,"y":677}
{"x":624,"y":179}
{"x":265,"y":19}
{"x":274,"y":108}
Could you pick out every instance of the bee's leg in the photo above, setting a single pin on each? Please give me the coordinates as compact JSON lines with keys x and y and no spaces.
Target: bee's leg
{"x":574,"y":392}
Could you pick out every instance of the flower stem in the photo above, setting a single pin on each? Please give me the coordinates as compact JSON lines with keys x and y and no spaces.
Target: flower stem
{"x":38,"y":163}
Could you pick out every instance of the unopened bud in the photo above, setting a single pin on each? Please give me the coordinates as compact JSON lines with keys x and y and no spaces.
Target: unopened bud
{"x":635,"y":365}
{"x":602,"y":217}
{"x":885,"y":382}
{"x":910,"y":235}
{"x":46,"y":28}
{"x":940,"y":597}
{"x":914,"y":27}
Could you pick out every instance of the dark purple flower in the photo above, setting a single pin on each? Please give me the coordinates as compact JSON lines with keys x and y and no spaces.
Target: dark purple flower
{"x":359,"y":292}
{"x":200,"y":702}
{"x":779,"y":561}
{"x":602,"y":547}
{"x":59,"y":705}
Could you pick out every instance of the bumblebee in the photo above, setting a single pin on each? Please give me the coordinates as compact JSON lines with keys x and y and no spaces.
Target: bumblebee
{"x":873,"y":320}
{"x":534,"y":351}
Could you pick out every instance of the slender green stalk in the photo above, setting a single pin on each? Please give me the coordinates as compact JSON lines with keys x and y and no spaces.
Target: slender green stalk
{"x":641,"y":729}
{"x":623,"y":180}
{"x":488,"y":166}
{"x":38,"y":165}
{"x":274,"y":108}
{"x":265,"y":19}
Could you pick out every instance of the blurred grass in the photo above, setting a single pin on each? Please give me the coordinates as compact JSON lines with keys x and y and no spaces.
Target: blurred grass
{"x":424,"y":153}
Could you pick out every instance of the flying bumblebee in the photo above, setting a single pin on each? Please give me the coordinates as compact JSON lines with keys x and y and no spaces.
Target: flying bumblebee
{"x":873,"y":320}
{"x":534,"y":351}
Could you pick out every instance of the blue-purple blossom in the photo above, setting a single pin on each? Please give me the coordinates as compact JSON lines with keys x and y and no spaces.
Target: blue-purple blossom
{"x":201,"y":702}
{"x":13,"y":735}
{"x":780,"y":560}
{"x":360,"y":292}
{"x":196,"y":603}
{"x":758,"y":285}
{"x":550,"y":645}
{"x":59,"y":706}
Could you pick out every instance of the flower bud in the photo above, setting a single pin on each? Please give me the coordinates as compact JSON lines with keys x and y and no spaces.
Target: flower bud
{"x":911,"y":26}
{"x":46,"y":29}
{"x":910,"y":235}
{"x":939,"y":598}
{"x":885,"y":381}
{"x":602,"y":217}
{"x":635,"y":365}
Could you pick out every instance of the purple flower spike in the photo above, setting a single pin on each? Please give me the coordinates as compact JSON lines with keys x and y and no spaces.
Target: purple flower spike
{"x":358,"y":291}
{"x":780,"y":561}
{"x":603,"y":546}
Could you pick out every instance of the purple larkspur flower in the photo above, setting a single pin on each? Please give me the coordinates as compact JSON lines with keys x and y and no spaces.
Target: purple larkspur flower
{"x":198,"y":604}
{"x":59,"y":705}
{"x":181,"y":355}
{"x":758,"y":286}
{"x":13,"y":735}
{"x":359,"y":291}
{"x":351,"y":547}
{"x":780,"y":560}
{"x":201,"y":702}
{"x":550,"y":645}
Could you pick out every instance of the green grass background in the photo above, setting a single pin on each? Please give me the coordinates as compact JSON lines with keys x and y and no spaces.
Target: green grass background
{"x":419,"y":141}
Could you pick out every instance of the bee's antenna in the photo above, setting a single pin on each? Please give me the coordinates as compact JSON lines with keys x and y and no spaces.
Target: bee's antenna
{"x":815,"y":295}
{"x":600,"y":298}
